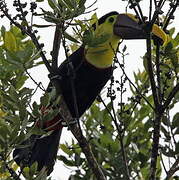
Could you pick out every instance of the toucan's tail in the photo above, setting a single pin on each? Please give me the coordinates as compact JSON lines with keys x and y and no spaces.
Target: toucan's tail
{"x":42,"y":150}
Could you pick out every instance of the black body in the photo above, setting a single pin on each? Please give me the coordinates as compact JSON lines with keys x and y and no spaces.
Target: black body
{"x":88,"y":82}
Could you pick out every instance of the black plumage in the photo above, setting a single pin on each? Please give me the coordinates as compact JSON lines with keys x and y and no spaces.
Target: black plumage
{"x":88,"y":82}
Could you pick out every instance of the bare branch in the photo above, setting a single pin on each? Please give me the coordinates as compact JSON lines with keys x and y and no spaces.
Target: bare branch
{"x":38,"y":84}
{"x":173,"y":169}
{"x":151,"y":72}
{"x":174,"y":91}
{"x":170,"y":16}
{"x":83,"y":143}
{"x":56,"y":45}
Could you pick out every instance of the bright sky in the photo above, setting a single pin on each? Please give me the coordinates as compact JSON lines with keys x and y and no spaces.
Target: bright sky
{"x":136,"y":49}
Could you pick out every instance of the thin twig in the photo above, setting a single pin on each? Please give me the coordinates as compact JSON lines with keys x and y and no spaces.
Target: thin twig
{"x":163,"y":163}
{"x":151,"y":72}
{"x":172,"y":94}
{"x":38,"y":84}
{"x":75,"y":127}
{"x":135,"y":10}
{"x":173,"y":169}
{"x":158,"y":72}
{"x":150,"y":10}
{"x":135,"y":86}
{"x":91,"y":4}
{"x":127,"y":175}
{"x":122,"y":68}
{"x":141,"y":13}
{"x":120,"y":138}
{"x":156,"y":13}
{"x":28,"y":30}
{"x":170,"y":16}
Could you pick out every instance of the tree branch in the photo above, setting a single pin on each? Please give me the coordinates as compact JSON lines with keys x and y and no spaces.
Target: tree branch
{"x":158,"y":72}
{"x":81,"y":140}
{"x":151,"y":72}
{"x":56,"y":45}
{"x":174,"y":91}
{"x":170,"y":16}
{"x":158,"y":115}
{"x":75,"y":127}
{"x":173,"y":169}
{"x":120,"y":131}
{"x":155,"y":146}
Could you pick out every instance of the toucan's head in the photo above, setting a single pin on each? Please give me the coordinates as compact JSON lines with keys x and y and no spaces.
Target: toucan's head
{"x":117,"y":26}
{"x":125,"y":26}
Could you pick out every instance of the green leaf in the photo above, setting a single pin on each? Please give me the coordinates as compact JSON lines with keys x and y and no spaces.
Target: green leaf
{"x":36,"y":108}
{"x":45,"y":100}
{"x":106,"y":139}
{"x":52,"y":19}
{"x":65,"y":149}
{"x":54,"y":5}
{"x":69,"y":37}
{"x":65,"y":160}
{"x":10,"y":41}
{"x":51,"y":4}
{"x":168,"y":48}
{"x":33,"y":169}
{"x":172,"y":30}
{"x":177,"y":149}
{"x":94,"y":19}
{"x":176,"y":40}
{"x":115,"y":147}
{"x":26,"y":171}
{"x":82,"y":3}
{"x":70,"y":3}
{"x":42,"y":175}
{"x":14,"y":60}
{"x":175,"y":122}
{"x":20,"y":81}
{"x":13,"y":94}
{"x":3,"y":30}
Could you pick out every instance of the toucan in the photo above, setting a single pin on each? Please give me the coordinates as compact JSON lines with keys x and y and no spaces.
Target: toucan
{"x":92,"y":66}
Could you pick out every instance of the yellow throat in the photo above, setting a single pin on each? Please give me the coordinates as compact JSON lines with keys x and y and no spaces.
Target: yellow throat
{"x":102,"y":55}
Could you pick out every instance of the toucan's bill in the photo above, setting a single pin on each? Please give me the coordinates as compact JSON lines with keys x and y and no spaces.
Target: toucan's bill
{"x":128,"y":27}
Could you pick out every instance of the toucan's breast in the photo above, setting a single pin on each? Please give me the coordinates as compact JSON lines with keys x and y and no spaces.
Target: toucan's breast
{"x":88,"y":82}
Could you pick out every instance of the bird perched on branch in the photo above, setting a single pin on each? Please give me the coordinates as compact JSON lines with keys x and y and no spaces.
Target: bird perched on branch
{"x":92,"y":66}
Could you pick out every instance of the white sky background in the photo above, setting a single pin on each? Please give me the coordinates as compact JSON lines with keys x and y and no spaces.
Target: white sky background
{"x":136,"y":49}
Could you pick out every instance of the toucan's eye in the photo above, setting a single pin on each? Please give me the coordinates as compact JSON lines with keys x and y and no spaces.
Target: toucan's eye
{"x":111,"y":19}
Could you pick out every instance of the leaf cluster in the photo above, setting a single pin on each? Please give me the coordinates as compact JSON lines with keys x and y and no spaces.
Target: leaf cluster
{"x":135,"y":120}
{"x":17,"y":55}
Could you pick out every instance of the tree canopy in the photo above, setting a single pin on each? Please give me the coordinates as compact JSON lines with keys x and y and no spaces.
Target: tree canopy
{"x":131,"y":138}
